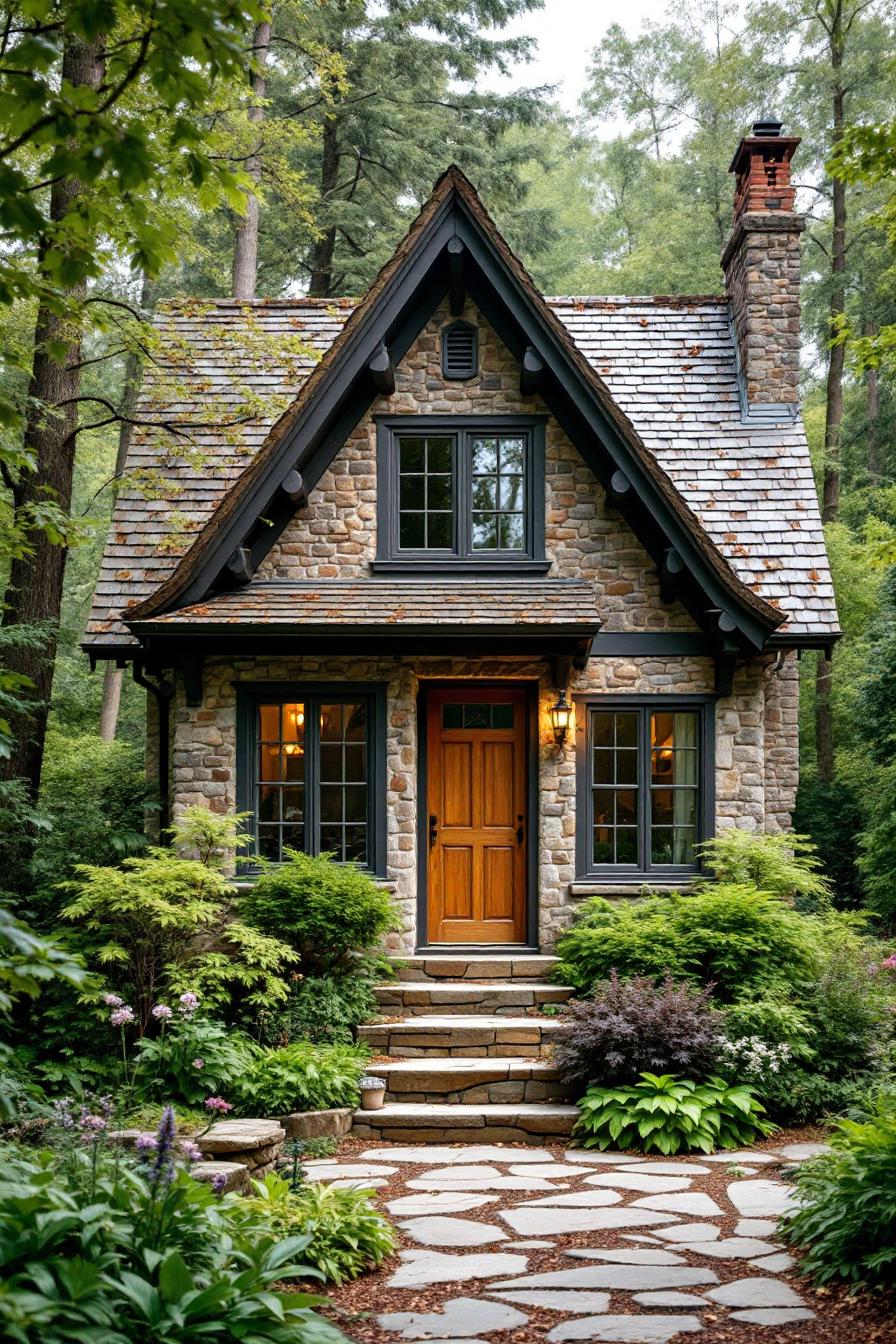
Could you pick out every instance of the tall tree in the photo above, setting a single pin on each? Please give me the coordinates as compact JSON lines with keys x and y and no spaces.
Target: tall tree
{"x":78,"y":146}
{"x":245,"y":247}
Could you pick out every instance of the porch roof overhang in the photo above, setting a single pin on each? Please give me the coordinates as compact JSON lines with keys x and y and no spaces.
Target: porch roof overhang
{"x":555,"y":619}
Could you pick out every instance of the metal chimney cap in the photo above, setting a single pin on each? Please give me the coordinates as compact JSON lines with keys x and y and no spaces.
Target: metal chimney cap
{"x":768,"y":127}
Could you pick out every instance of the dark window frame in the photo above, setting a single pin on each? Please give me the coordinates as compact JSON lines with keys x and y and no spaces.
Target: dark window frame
{"x":461,"y":558}
{"x":644,"y":870}
{"x":249,"y":695}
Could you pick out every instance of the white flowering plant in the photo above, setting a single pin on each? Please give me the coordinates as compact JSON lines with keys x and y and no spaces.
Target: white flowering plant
{"x":751,"y":1059}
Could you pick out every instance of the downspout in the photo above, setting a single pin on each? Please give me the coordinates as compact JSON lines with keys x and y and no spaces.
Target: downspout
{"x":163,"y":693}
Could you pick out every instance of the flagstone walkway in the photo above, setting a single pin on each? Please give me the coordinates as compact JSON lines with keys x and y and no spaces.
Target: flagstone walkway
{"x":507,"y":1245}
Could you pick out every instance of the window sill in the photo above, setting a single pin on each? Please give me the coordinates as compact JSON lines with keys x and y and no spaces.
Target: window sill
{"x":627,"y":887}
{"x":429,"y":567}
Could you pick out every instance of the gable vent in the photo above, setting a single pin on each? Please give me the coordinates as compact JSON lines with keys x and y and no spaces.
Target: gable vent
{"x":460,"y":350}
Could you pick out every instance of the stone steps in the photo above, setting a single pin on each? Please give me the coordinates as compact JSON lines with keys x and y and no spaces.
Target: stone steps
{"x":442,"y":966}
{"x":472,"y":1082}
{"x":460,"y":1035}
{"x":500,"y":998}
{"x":403,"y":1122}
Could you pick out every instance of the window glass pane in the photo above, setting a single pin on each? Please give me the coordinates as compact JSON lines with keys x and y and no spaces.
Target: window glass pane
{"x":626,"y":766}
{"x":485,"y":492}
{"x":269,"y":761}
{"x":604,"y":725}
{"x":425,"y":492}
{"x":355,"y":759}
{"x":330,"y":802}
{"x":626,"y":807}
{"x":412,"y":454}
{"x":512,"y":455}
{"x":269,"y":842}
{"x":439,"y":532}
{"x":604,"y":766}
{"x":513,"y":532}
{"x":412,"y":531}
{"x":331,"y":723}
{"x":355,"y":844}
{"x":502,"y":716}
{"x":412,"y":492}
{"x":452,"y":716}
{"x":477,"y":716}
{"x":511,"y":492}
{"x":268,"y":723}
{"x":485,"y":536}
{"x":293,"y":838}
{"x":485,"y":455}
{"x":626,"y":729}
{"x":279,"y":797}
{"x":355,"y":803}
{"x":293,"y":804}
{"x":268,"y":803}
{"x":626,"y":845}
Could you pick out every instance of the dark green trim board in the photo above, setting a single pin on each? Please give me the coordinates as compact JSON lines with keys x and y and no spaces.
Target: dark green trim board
{"x":586,"y":869}
{"x":250,"y":694}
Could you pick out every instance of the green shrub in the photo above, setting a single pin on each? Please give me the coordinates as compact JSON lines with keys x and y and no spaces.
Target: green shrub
{"x":324,"y":910}
{"x":830,"y":813}
{"x":301,"y":1077}
{"x":192,"y":1058}
{"x":669,"y":1115}
{"x":728,"y":935}
{"x":161,"y":923}
{"x":324,"y":1008}
{"x":846,"y":1218}
{"x":125,"y":1254}
{"x":94,"y":796}
{"x":785,"y":865}
{"x":877,"y":861}
{"x":346,"y":1233}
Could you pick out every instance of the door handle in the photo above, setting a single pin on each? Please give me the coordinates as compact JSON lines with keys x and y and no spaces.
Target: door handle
{"x":433,"y":828}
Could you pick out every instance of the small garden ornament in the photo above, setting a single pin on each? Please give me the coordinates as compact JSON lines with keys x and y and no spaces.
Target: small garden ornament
{"x":373,"y":1090}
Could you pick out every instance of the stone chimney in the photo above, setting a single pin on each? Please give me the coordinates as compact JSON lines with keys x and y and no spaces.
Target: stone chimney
{"x":761,"y":262}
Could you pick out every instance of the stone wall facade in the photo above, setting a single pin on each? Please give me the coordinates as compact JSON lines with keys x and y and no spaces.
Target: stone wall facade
{"x":335,"y":537}
{"x":762,"y":276}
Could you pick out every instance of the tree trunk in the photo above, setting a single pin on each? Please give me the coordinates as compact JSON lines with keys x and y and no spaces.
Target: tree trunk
{"x":830,"y":505}
{"x":323,"y":250}
{"x":872,"y":406}
{"x":34,"y":590}
{"x":245,"y":248}
{"x":133,"y":370}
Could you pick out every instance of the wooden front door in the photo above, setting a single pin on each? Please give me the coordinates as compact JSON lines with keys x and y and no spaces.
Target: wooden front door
{"x":476,"y":815}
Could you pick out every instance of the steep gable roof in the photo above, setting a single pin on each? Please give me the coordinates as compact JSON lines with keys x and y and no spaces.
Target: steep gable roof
{"x":686,"y":424}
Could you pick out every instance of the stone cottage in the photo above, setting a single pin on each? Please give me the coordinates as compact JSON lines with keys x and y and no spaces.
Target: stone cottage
{"x":498,"y":595}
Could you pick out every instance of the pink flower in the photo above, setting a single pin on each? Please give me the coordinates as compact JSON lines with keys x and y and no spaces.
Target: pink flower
{"x":890,"y":963}
{"x":218,"y":1104}
{"x":162,"y":1012}
{"x":112,"y":1001}
{"x":198,"y":1063}
{"x":122,"y":1016}
{"x":146,"y":1143}
{"x":189,"y":1002}
{"x":192,"y":1152}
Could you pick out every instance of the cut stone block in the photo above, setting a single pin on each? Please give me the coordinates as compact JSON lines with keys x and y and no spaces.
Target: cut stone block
{"x":756,"y":1227}
{"x":445,"y":1201}
{"x":690,"y":1232}
{"x":628,"y":1255}
{"x":640,"y":1329}
{"x":236,"y":1176}
{"x":773,"y":1315}
{"x":331,"y":1124}
{"x":554,"y":1221}
{"x":641,"y":1181}
{"x":576,"y":1199}
{"x":557,"y":1300}
{"x":665,"y":1300}
{"x":437,"y":1230}
{"x":761,"y":1199}
{"x":459,"y":1316}
{"x":241,"y":1136}
{"x":421,"y":1268}
{"x":731,"y":1248}
{"x":801,"y":1152}
{"x":692,"y":1202}
{"x":627,"y":1278}
{"x":752,"y":1293}
{"x":774,"y":1264}
{"x":324,"y":1172}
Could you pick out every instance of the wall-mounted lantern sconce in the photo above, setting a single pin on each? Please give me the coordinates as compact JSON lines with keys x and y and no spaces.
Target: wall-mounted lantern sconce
{"x":561,"y":717}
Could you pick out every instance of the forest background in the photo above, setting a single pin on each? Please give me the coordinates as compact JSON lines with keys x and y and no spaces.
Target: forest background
{"x":213,"y":148}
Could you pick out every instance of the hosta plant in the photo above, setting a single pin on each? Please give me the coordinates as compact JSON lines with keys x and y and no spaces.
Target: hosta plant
{"x":664,"y":1114}
{"x":301,"y":1077}
{"x":345,"y":1233}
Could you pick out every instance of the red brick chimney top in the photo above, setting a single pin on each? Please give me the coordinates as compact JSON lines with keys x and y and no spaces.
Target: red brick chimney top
{"x":762,"y":169}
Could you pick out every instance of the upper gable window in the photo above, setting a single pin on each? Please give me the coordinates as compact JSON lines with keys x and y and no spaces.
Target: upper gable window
{"x":461,"y":492}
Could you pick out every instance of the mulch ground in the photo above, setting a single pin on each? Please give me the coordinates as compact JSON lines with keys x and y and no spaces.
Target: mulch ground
{"x":842,"y":1317}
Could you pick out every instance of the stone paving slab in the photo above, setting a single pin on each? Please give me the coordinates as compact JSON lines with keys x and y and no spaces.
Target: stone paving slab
{"x":640,"y":1180}
{"x":640,"y":1329}
{"x":634,"y":1278}
{"x":537,"y":1222}
{"x":440,"y":1231}
{"x":555,"y":1299}
{"x":443,"y":1201}
{"x":459,"y":1316}
{"x":760,"y":1199}
{"x":465,"y":1154}
{"x":421,"y":1268}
